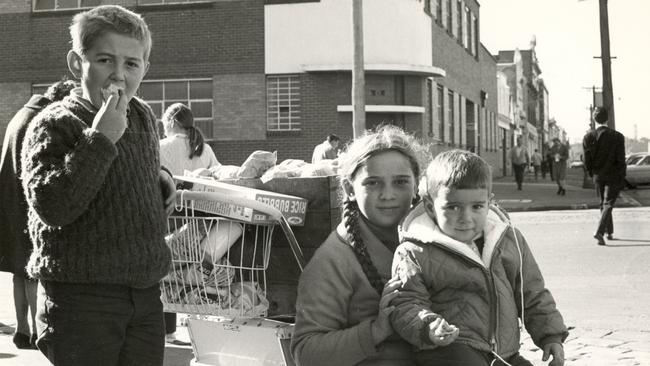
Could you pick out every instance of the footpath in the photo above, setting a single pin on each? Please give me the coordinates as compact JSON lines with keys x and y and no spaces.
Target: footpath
{"x":541,"y":195}
{"x":584,"y":347}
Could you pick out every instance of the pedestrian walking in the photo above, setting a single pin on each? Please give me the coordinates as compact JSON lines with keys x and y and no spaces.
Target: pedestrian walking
{"x":98,"y":202}
{"x":536,"y":160}
{"x":519,"y":160}
{"x":327,"y":150}
{"x":466,"y":272}
{"x":604,"y":152}
{"x":560,"y":154}
{"x":15,"y":245}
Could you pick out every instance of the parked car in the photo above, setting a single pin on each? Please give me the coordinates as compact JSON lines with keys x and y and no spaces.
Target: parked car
{"x":638,"y":169}
{"x":576,"y":164}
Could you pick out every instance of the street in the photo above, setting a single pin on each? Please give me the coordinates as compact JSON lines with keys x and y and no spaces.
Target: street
{"x":602,"y":292}
{"x":595,"y":287}
{"x":641,"y":194}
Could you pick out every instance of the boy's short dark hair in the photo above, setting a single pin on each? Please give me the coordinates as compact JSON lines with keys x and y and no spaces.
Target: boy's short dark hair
{"x":458,"y":169}
{"x":89,"y":25}
{"x":332,"y":138}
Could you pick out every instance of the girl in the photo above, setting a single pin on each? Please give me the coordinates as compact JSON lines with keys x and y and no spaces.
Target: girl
{"x":342,"y":308}
{"x":183,"y":147}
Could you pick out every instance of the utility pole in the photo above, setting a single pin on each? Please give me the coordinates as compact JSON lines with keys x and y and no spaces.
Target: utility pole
{"x":358,"y":71}
{"x":608,"y":93}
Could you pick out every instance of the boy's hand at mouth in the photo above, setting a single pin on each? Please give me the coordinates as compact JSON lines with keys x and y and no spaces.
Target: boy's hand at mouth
{"x":111,"y":118}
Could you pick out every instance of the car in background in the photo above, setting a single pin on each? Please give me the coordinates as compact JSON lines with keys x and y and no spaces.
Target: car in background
{"x":638,"y":169}
{"x":576,"y":164}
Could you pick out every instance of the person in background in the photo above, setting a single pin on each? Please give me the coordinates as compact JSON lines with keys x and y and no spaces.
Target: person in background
{"x":467,"y":275}
{"x":560,"y":154}
{"x":98,"y":202}
{"x":328,"y":149}
{"x":342,"y":306}
{"x":183,"y":148}
{"x":519,"y":159}
{"x":15,"y":245}
{"x":536,"y":160}
{"x":604,"y":151}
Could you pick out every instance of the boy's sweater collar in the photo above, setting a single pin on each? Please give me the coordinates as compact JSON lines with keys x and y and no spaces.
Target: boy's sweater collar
{"x":420,"y":227}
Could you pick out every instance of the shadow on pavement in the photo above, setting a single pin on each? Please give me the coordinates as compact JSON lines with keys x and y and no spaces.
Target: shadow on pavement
{"x":178,"y":356}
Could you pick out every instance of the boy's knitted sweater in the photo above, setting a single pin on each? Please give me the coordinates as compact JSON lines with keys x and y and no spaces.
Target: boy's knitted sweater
{"x":95,"y":208}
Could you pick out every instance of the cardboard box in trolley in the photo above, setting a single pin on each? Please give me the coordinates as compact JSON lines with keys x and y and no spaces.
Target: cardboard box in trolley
{"x":292,"y":208}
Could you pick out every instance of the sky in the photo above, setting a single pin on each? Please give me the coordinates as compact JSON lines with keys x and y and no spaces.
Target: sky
{"x":567,"y":36}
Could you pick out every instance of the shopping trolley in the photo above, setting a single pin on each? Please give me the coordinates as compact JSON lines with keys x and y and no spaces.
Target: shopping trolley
{"x":218,"y":278}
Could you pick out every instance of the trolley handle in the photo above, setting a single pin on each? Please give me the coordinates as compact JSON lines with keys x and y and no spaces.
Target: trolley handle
{"x":184,"y":195}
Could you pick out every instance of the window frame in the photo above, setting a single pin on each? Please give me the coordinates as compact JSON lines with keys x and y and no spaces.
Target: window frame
{"x":440,"y":90}
{"x":451,"y":116}
{"x":205,"y":124}
{"x":293,"y":103}
{"x":79,"y":5}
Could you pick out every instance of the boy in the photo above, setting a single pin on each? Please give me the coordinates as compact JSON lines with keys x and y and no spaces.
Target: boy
{"x":98,"y":202}
{"x":462,"y":263}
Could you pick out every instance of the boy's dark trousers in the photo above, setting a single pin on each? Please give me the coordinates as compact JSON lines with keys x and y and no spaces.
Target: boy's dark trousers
{"x":458,"y":354}
{"x":100,"y":324}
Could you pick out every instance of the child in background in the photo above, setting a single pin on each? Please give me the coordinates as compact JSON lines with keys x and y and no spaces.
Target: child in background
{"x":344,"y":292}
{"x":467,"y":275}
{"x":98,"y":202}
{"x":183,"y":147}
{"x":15,"y":245}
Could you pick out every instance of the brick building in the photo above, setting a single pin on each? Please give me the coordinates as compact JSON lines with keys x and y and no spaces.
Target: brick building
{"x":275,"y":74}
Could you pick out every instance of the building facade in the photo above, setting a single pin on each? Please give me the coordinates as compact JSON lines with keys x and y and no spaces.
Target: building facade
{"x":276,"y":74}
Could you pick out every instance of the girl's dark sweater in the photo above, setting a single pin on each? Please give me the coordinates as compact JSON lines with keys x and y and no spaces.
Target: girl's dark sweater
{"x":95,"y":208}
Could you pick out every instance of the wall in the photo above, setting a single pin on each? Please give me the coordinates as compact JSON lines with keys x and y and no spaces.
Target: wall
{"x":223,"y":39}
{"x":321,"y":33}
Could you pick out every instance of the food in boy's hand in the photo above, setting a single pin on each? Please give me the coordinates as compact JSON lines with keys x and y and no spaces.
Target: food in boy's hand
{"x":111,"y":89}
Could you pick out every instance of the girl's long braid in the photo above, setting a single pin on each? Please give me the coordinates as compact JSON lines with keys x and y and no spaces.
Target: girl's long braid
{"x":350,"y":221}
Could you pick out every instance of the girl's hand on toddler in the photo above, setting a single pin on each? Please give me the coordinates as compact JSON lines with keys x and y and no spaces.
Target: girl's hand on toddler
{"x":557,"y":351}
{"x":442,"y":333}
{"x":111,"y":117}
{"x":381,"y":327}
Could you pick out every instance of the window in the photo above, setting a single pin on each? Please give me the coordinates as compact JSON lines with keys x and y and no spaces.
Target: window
{"x":157,"y":2}
{"x":64,"y":4}
{"x":283,"y":103}
{"x":441,"y":113}
{"x":195,"y":93}
{"x":430,"y":105}
{"x":439,"y":11}
{"x":450,"y":116}
{"x":475,"y":35}
{"x":48,"y":5}
{"x":459,"y":24}
{"x":40,"y":88}
{"x":427,"y":6}
{"x":449,"y":16}
{"x":468,"y":31}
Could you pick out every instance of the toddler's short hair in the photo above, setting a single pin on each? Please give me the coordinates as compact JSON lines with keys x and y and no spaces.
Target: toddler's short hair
{"x":458,"y":169}
{"x":89,"y":25}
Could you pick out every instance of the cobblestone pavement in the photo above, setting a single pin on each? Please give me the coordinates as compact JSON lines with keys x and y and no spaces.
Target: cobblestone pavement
{"x":596,"y":347}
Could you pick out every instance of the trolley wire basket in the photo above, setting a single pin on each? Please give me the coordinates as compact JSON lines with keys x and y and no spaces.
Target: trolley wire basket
{"x":219,"y":263}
